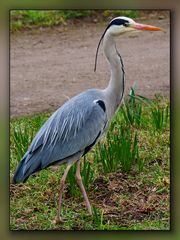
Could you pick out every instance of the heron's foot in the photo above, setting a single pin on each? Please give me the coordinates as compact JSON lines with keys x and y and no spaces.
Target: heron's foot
{"x":90,"y":211}
{"x":57,"y":220}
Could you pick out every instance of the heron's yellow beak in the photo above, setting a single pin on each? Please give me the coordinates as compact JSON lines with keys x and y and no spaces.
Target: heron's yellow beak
{"x":140,"y":26}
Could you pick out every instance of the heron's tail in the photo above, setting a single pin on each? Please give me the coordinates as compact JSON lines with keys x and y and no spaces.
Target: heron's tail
{"x":19,"y":175}
{"x":25,"y":169}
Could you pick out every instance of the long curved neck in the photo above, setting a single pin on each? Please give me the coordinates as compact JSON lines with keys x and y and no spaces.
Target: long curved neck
{"x":115,"y":88}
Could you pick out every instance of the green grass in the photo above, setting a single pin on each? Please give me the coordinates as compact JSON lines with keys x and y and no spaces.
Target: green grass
{"x":126,"y":175}
{"x":119,"y":150}
{"x":132,"y":110}
{"x":28,"y":19}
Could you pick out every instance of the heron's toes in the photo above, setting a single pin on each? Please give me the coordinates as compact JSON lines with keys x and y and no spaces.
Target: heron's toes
{"x":89,"y":213}
{"x":57,"y":220}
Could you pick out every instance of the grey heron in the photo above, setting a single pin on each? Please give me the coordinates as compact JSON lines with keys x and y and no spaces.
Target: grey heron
{"x":74,"y":128}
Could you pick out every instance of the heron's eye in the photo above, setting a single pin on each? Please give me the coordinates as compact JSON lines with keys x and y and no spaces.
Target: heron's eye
{"x":126,"y":24}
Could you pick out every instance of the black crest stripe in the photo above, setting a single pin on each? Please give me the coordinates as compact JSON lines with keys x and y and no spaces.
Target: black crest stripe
{"x":118,"y":21}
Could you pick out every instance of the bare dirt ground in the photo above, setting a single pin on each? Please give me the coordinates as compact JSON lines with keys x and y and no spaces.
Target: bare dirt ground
{"x":47,"y":66}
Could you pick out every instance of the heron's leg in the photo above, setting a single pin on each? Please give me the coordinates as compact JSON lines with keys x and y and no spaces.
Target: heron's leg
{"x":80,"y":183}
{"x":62,"y":184}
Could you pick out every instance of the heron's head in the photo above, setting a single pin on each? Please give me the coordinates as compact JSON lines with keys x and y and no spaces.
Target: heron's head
{"x":121,"y":25}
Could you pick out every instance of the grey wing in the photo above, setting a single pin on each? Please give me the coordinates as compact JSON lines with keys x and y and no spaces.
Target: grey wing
{"x":72,"y":129}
